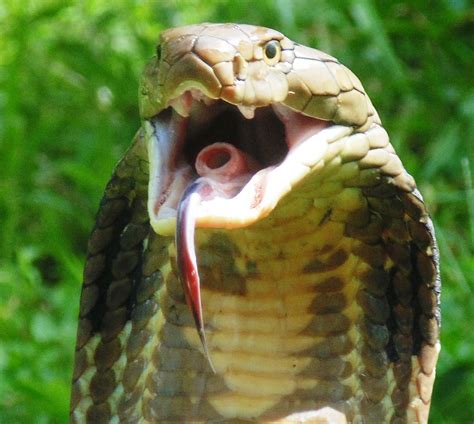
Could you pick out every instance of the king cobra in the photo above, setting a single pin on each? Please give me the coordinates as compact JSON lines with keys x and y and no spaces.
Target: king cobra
{"x":260,"y":253}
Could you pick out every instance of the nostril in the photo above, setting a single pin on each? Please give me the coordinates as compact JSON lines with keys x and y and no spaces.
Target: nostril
{"x":217,"y":158}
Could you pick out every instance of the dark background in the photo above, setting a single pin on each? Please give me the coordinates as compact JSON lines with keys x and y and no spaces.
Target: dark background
{"x":68,"y":109}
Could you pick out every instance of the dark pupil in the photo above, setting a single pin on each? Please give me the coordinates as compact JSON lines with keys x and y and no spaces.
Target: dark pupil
{"x":158,"y":52}
{"x":271,"y":50}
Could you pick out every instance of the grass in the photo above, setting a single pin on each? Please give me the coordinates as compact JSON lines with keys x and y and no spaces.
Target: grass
{"x":68,"y":109}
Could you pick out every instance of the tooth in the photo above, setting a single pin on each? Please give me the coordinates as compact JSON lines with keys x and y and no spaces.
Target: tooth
{"x":182,"y":104}
{"x":186,"y":256}
{"x":208,"y":101}
{"x":247,"y":111}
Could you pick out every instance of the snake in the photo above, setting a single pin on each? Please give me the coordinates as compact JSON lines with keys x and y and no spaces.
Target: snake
{"x":260,"y":253}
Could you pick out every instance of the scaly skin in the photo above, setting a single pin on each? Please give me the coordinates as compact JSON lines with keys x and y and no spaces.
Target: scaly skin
{"x":326,"y":304}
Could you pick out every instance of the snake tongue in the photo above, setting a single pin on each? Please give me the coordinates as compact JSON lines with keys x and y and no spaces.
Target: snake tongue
{"x":186,"y":255}
{"x":223,"y":171}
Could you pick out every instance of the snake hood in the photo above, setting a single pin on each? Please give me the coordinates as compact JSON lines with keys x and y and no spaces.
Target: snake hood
{"x":262,"y":203}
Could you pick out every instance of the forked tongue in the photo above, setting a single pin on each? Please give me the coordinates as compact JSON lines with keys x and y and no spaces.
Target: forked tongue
{"x":223,"y":171}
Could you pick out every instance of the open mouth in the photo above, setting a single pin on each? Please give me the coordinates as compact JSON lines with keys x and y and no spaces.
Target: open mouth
{"x":218,"y":165}
{"x":243,"y":159}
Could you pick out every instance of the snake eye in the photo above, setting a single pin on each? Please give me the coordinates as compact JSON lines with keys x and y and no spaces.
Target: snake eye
{"x":272,"y":52}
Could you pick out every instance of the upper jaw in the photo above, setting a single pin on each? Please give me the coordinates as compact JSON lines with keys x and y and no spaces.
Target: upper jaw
{"x":278,"y":146}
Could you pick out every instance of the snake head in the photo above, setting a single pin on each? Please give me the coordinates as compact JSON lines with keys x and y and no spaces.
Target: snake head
{"x":253,"y":88}
{"x":242,"y":65}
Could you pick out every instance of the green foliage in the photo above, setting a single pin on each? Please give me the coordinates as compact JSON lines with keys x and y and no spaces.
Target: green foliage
{"x":68,"y":108}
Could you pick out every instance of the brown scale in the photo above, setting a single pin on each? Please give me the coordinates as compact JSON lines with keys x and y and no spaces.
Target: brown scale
{"x":335,"y":260}
{"x":370,"y":234}
{"x":375,"y":335}
{"x":98,"y":413}
{"x":329,"y":285}
{"x":176,"y":312}
{"x":333,"y":346}
{"x":327,"y":303}
{"x":132,"y":372}
{"x":218,"y":265}
{"x":330,"y":392}
{"x":376,"y":280}
{"x":327,"y":368}
{"x":327,"y":324}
